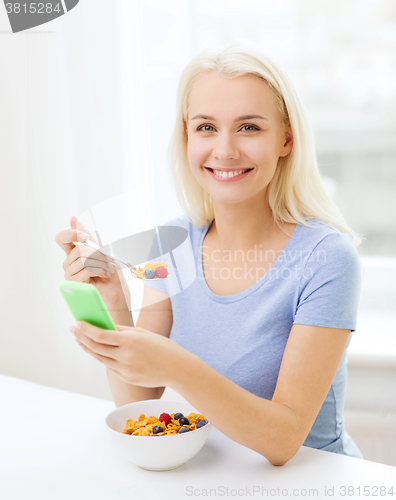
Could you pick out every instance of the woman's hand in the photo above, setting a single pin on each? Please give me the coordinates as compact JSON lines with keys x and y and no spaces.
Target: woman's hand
{"x":136,"y":355}
{"x":86,"y":265}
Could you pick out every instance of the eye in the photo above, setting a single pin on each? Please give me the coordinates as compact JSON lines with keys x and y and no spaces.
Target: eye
{"x":202,"y":126}
{"x":249,"y":125}
{"x":254,"y":127}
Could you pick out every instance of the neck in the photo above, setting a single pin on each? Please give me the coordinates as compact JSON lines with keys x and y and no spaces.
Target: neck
{"x":241,"y":226}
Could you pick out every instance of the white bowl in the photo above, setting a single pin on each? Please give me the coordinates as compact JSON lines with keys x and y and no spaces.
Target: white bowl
{"x":163,"y":452}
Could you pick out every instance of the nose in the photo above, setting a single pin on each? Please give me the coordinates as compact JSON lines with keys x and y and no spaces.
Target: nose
{"x":226,"y":147}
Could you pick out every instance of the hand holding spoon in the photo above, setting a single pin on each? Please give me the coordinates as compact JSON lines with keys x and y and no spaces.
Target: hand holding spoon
{"x":133,"y":269}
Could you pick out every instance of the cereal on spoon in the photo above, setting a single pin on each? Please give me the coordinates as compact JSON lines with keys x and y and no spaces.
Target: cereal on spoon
{"x":151,"y":271}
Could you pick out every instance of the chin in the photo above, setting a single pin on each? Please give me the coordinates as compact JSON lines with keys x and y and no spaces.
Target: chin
{"x":228,"y":199}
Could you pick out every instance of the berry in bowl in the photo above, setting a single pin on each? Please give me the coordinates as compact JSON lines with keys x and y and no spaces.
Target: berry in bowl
{"x":158,"y":434}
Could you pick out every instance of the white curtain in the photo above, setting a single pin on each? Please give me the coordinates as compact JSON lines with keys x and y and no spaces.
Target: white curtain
{"x":79,"y":136}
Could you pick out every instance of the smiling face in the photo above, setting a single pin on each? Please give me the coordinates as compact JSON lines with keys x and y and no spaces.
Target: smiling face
{"x":223,"y":135}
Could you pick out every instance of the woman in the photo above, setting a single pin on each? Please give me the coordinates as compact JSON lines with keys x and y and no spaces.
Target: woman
{"x":258,"y":342}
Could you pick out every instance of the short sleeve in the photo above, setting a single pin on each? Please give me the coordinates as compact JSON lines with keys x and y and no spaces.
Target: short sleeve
{"x":330,"y":284}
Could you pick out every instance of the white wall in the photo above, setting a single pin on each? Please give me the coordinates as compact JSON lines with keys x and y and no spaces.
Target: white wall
{"x":75,"y":131}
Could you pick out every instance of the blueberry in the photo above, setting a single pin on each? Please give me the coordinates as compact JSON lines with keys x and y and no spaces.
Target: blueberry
{"x":184,"y":421}
{"x":183,"y":430}
{"x":178,"y":415}
{"x":201,"y":423}
{"x":157,"y":429}
{"x":149,"y":273}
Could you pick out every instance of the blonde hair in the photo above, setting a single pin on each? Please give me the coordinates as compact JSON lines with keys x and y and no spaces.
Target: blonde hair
{"x":296,"y":192}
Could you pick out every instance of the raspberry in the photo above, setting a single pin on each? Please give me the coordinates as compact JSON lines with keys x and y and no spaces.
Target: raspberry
{"x":161,"y":272}
{"x":166,"y":418}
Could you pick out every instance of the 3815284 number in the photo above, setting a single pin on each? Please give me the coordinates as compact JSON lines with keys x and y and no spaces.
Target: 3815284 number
{"x":33,"y":8}
{"x":371,"y":491}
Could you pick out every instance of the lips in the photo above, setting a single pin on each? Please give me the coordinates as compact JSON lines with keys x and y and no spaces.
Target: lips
{"x":228,"y":169}
{"x":233,"y":178}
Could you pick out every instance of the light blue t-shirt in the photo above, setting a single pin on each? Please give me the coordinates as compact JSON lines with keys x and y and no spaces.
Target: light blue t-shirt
{"x":315,"y":281}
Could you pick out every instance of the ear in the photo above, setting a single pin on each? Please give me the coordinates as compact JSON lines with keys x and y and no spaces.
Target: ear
{"x":288,"y":142}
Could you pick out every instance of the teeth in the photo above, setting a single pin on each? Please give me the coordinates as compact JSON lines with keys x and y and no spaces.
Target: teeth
{"x":225,"y":175}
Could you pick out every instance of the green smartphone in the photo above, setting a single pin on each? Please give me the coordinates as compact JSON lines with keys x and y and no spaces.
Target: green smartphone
{"x":86,"y":304}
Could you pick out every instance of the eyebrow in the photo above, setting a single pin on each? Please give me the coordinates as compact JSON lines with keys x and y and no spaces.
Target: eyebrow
{"x":240,"y":118}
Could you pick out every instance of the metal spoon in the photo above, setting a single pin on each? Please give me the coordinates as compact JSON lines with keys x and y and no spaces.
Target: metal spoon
{"x":102,"y":250}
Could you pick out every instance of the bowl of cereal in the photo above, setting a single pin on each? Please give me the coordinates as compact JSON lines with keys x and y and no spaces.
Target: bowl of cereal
{"x":158,"y":434}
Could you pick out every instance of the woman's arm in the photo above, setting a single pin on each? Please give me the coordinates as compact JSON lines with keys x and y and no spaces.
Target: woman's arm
{"x":155,"y":316}
{"x":276,"y":429}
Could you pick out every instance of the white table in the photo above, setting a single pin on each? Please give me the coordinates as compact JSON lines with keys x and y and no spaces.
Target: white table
{"x":54,"y":447}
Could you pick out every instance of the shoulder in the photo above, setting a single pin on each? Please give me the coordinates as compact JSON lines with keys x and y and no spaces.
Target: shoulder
{"x":184,"y":222}
{"x":321,"y":236}
{"x":331,"y":238}
{"x":328,"y":248}
{"x":330,"y":281}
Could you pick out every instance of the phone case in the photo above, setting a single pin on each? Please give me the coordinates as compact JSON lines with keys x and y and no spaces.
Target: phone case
{"x":86,"y":304}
